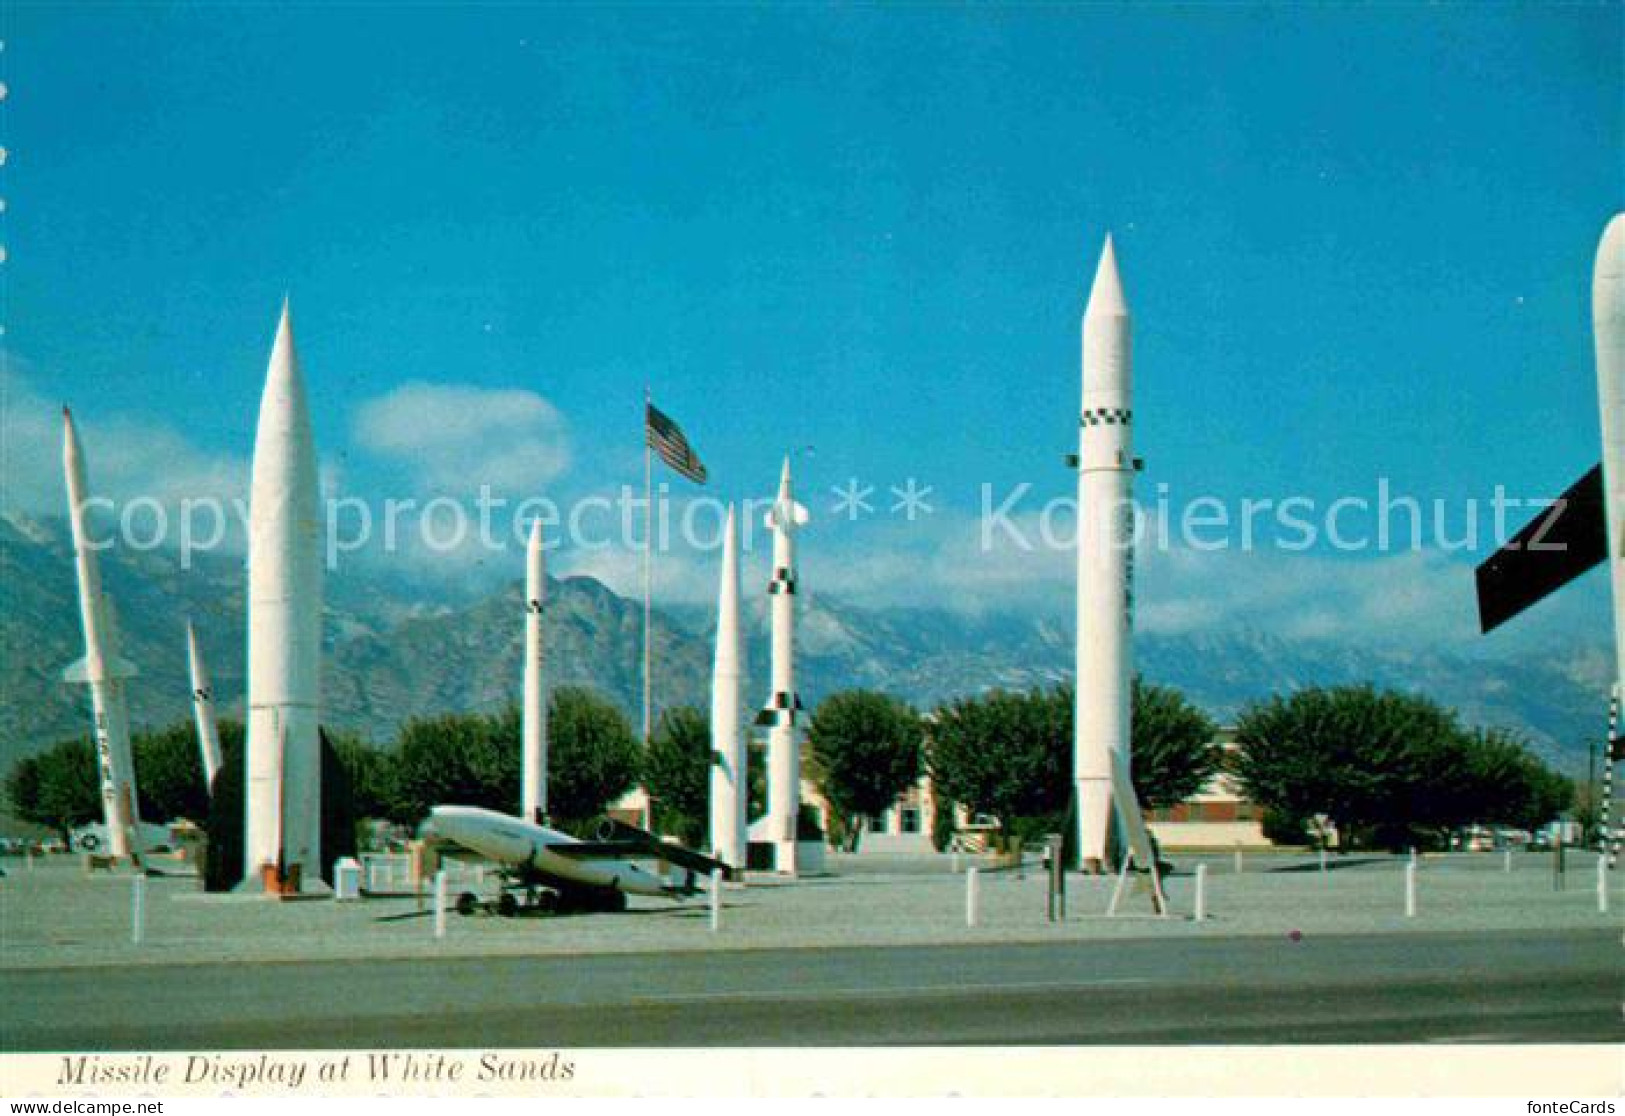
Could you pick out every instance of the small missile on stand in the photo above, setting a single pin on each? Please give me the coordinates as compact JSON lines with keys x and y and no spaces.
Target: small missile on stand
{"x":208,"y":732}
{"x":101,"y":668}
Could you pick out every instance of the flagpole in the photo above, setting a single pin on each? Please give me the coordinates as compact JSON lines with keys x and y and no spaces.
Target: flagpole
{"x":648,"y":551}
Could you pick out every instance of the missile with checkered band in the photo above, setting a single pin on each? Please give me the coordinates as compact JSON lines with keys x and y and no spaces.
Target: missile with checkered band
{"x":208,"y":731}
{"x":533,"y":779}
{"x":1106,"y":526}
{"x":282,"y":830}
{"x":728,"y":754}
{"x":1586,"y":525}
{"x":782,"y":711}
{"x":101,"y":668}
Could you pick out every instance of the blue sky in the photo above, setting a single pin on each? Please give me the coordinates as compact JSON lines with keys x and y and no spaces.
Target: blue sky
{"x":1357,"y":241}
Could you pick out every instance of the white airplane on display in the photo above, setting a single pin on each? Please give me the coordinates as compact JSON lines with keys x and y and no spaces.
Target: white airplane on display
{"x":553,"y":871}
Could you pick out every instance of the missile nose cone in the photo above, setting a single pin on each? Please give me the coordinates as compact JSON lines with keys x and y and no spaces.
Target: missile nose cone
{"x":535,"y":534}
{"x":784,"y":479}
{"x":1106,"y":296}
{"x":1611,"y":250}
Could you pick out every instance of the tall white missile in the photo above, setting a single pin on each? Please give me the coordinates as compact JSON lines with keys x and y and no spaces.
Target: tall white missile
{"x":101,"y":668}
{"x":283,"y":806}
{"x":208,"y":732}
{"x":533,"y":777}
{"x":728,"y":753}
{"x":779,"y":716}
{"x":1608,"y":325}
{"x":1106,"y":526}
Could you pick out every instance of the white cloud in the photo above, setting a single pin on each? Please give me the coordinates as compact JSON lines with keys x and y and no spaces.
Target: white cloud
{"x":125,"y":460}
{"x":454,"y":438}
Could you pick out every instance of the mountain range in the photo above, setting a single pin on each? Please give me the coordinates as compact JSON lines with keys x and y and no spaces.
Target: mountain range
{"x":397,"y":649}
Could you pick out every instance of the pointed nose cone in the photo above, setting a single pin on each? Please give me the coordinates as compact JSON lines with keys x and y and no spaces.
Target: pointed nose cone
{"x":1106,"y":296}
{"x":784,"y":480}
{"x":1608,"y":280}
{"x":70,"y":437}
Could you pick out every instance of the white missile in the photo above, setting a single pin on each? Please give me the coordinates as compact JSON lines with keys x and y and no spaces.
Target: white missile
{"x":781,"y":713}
{"x":533,"y":778}
{"x":101,"y":669}
{"x":728,"y":754}
{"x":208,"y":733}
{"x":1608,"y":325}
{"x":1106,"y":526}
{"x":283,"y":806}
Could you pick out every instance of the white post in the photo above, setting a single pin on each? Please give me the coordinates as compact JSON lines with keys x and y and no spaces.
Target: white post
{"x":30,"y":860}
{"x":1201,"y":893}
{"x":1602,"y":884}
{"x":1410,"y":890}
{"x":1238,"y":858}
{"x":1506,"y":860}
{"x":1323,"y":860}
{"x":138,"y":909}
{"x":1413,"y":854}
{"x":956,"y":862}
{"x":440,"y":903}
{"x":971,"y":882}
{"x":716,"y":899}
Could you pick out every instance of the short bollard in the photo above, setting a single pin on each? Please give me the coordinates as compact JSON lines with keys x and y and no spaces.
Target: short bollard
{"x":716,"y":900}
{"x":1323,"y":860}
{"x":1602,"y":884}
{"x":138,"y":909}
{"x":1238,"y":860}
{"x":1506,"y":860}
{"x":1201,"y":893}
{"x":440,"y":904}
{"x":1410,"y":890}
{"x":972,"y":885}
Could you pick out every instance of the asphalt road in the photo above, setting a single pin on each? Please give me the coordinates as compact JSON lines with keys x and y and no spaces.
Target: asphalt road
{"x":1486,"y":987}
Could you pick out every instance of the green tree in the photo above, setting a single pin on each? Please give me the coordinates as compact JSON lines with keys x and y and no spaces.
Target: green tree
{"x":59,"y":788}
{"x":1174,"y":750}
{"x":1506,"y":784}
{"x":864,"y":750}
{"x":1005,"y":754}
{"x":456,"y":759}
{"x":169,"y":773}
{"x":1011,"y":754}
{"x":370,"y":772}
{"x":1387,"y":769}
{"x":593,"y":757}
{"x":677,"y":773}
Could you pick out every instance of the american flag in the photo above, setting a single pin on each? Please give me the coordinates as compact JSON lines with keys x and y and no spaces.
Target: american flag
{"x":666,"y":438}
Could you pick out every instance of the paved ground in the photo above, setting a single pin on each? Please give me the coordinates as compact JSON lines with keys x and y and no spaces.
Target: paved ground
{"x":876,"y":956}
{"x":54,"y":917}
{"x":1496,"y":987}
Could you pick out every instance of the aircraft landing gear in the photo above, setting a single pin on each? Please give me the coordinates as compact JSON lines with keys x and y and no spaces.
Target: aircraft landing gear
{"x":507,"y":905}
{"x":467,"y":903}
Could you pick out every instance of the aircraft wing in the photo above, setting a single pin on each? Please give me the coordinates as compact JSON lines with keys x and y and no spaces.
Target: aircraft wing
{"x":1564,"y":541}
{"x":616,"y":838}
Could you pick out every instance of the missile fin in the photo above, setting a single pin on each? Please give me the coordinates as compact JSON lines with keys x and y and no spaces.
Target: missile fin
{"x":1558,"y":545}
